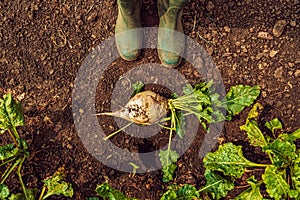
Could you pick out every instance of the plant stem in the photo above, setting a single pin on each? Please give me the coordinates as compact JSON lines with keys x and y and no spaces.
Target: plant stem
{"x":13,"y":137}
{"x":206,"y":187}
{"x":251,"y":164}
{"x":8,"y":172}
{"x":291,"y":175}
{"x":15,"y":132}
{"x":246,"y":164}
{"x":8,"y":161}
{"x":188,"y":102}
{"x":135,"y":167}
{"x":270,"y":157}
{"x":170,"y":139}
{"x":20,"y":176}
{"x":169,"y":118}
{"x":48,"y":194}
{"x":42,"y":193}
{"x":119,"y":130}
{"x":165,"y":127}
{"x":187,"y":197}
{"x":183,"y":97}
{"x":187,"y":109}
{"x":173,"y":124}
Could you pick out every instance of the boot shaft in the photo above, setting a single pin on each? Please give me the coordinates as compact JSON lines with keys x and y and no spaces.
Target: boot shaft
{"x":165,"y":5}
{"x":129,"y":7}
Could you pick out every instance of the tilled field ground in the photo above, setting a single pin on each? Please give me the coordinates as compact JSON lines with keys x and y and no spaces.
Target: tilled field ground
{"x":43,"y":44}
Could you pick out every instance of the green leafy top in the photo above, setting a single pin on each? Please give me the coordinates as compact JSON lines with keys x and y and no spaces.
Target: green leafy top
{"x":217,"y":184}
{"x":239,"y":97}
{"x":283,"y":152}
{"x":205,"y":103}
{"x":290,"y":137}
{"x":27,"y":195}
{"x":295,"y":173}
{"x":195,"y":101}
{"x":275,"y":183}
{"x":107,"y":192}
{"x":281,"y":177}
{"x":137,"y":87}
{"x":273,"y":125}
{"x":56,"y":185}
{"x":175,"y":192}
{"x":255,"y":136}
{"x":200,"y":101}
{"x":7,"y":151}
{"x":228,"y":159}
{"x":11,"y":114}
{"x":4,"y":191}
{"x":180,"y":124}
{"x":168,"y":158}
{"x":252,"y":193}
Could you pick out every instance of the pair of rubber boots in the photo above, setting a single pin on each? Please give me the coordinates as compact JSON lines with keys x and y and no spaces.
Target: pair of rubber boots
{"x":129,"y":37}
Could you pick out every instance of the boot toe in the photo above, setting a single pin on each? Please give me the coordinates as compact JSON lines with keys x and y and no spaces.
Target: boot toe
{"x":171,"y":40}
{"x":169,"y":59}
{"x":129,"y":55}
{"x":129,"y":44}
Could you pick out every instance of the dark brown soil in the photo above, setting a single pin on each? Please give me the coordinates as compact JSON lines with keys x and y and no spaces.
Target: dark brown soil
{"x":43,"y":44}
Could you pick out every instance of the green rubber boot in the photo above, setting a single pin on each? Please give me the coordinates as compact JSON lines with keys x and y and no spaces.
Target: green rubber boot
{"x":170,"y":43}
{"x":128,"y":36}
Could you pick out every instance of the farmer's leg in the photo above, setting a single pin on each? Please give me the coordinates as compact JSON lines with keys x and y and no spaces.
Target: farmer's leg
{"x":170,"y":44}
{"x":129,"y":18}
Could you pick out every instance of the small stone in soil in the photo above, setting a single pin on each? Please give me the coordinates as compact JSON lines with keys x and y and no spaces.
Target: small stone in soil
{"x":259,"y":55}
{"x":279,"y":104}
{"x":291,"y":65}
{"x":210,"y":51}
{"x":273,"y":53}
{"x":227,"y":29}
{"x":278,"y":73}
{"x":279,"y":27}
{"x":264,"y":35}
{"x":293,"y":23}
{"x":210,"y":6}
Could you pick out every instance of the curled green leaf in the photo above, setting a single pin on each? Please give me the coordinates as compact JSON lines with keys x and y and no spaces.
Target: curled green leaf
{"x":11,"y":114}
{"x":180,"y":124}
{"x":4,"y":191}
{"x":290,"y":137}
{"x":295,"y":172}
{"x":30,"y":195}
{"x":56,"y":185}
{"x":252,"y":193}
{"x":217,"y":185}
{"x":276,"y":185}
{"x":167,"y":159}
{"x":8,"y":151}
{"x":175,"y":192}
{"x":254,"y":134}
{"x":137,"y":88}
{"x":283,"y":152}
{"x":229,"y":159}
{"x":107,"y":192}
{"x":239,"y":97}
{"x":23,"y":146}
{"x":134,"y":167}
{"x":273,"y":125}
